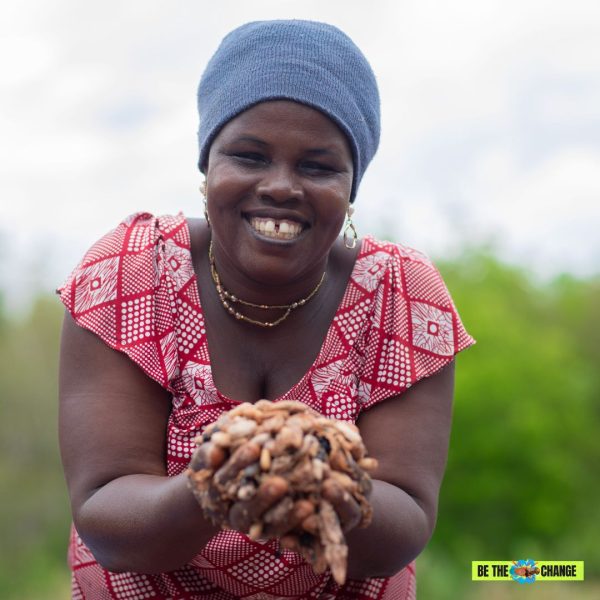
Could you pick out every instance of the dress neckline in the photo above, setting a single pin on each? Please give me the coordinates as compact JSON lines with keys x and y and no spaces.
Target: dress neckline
{"x":195,"y":284}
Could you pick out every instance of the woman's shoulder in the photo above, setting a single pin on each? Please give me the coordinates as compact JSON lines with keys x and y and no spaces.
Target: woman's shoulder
{"x":138,"y":232}
{"x":129,"y":248}
{"x":406,"y":281}
{"x":144,"y":220}
{"x":415,"y":327}
{"x":393,"y":252}
{"x":120,"y":289}
{"x":384,"y":263}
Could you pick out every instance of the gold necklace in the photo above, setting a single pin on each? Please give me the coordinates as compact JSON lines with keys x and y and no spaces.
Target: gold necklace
{"x":227,"y":297}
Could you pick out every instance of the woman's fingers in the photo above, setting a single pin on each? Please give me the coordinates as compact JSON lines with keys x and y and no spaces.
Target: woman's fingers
{"x":275,"y":470}
{"x":276,"y":517}
{"x":208,"y":456}
{"x":279,"y":514}
{"x":332,"y":540}
{"x":246,"y":512}
{"x":345,"y":505}
{"x":243,"y":456}
{"x":284,"y":517}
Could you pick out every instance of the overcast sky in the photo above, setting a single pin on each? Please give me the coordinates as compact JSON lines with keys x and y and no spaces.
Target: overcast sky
{"x":490,"y":123}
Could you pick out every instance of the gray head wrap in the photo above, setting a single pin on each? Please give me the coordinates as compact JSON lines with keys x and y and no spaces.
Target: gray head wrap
{"x":306,"y":61}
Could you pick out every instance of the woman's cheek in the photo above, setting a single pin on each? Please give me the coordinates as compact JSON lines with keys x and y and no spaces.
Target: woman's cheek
{"x":336,"y":195}
{"x":230,"y":178}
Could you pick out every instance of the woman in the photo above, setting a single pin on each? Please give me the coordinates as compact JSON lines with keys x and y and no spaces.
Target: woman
{"x":260,"y":300}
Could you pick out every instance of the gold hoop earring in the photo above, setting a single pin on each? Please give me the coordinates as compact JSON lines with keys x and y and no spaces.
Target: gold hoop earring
{"x":203,"y":192}
{"x":206,"y":214}
{"x":350,"y":234}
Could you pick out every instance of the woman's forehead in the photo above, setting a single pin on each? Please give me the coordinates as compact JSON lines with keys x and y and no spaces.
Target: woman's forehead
{"x":273,"y":116}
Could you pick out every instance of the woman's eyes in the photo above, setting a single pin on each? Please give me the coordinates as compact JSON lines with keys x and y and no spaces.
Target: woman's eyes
{"x":249,"y":157}
{"x":319,"y":168}
{"x":257,"y":159}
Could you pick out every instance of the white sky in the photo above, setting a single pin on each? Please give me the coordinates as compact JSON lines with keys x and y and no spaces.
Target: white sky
{"x":490,"y":123}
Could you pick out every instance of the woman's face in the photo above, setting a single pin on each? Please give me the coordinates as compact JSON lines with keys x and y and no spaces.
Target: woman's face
{"x":279,"y":178}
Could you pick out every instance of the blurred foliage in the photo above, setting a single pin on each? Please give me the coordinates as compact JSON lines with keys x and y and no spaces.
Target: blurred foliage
{"x":522,"y":478}
{"x":34,"y":507}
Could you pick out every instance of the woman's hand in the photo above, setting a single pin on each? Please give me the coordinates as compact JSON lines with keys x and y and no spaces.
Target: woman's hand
{"x":244,"y":513}
{"x":347,"y":508}
{"x":276,"y":459}
{"x":282,"y":470}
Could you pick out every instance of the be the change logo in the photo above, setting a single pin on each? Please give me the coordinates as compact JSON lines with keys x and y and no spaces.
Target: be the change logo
{"x":527,"y":570}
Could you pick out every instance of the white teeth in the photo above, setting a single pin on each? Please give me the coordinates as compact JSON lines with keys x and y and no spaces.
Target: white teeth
{"x":283,"y":230}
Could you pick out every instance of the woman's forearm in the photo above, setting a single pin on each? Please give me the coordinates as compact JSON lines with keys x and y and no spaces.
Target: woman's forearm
{"x":397,"y":534}
{"x":144,"y":523}
{"x":152,"y":524}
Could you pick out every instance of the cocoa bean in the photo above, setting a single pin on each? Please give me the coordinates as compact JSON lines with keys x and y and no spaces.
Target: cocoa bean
{"x":280,"y":469}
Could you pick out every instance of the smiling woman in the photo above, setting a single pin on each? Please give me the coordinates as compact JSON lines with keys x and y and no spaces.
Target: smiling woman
{"x":173,"y":322}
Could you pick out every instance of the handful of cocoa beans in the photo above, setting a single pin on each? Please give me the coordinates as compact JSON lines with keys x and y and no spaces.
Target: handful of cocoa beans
{"x":280,"y":469}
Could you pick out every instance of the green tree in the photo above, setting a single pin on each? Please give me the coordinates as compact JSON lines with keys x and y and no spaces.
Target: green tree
{"x":520,"y":480}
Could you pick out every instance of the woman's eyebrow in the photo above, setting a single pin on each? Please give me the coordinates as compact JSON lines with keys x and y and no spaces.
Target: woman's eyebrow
{"x":323,"y":151}
{"x":312,"y":151}
{"x":250,"y":139}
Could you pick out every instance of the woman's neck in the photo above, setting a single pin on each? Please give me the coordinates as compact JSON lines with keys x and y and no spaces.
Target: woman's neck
{"x":265,"y":289}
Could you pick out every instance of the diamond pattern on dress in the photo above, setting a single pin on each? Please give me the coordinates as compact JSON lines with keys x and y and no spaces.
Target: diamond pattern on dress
{"x":369,"y":270}
{"x":432,"y":329}
{"x":96,"y":284}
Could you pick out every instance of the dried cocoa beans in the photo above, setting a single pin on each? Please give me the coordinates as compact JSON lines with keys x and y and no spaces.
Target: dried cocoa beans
{"x":280,"y":469}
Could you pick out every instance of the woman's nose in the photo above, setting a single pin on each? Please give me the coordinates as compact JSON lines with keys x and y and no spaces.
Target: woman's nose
{"x":280,"y":183}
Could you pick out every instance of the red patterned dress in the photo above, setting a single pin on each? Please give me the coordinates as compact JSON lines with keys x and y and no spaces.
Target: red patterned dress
{"x":136,"y":289}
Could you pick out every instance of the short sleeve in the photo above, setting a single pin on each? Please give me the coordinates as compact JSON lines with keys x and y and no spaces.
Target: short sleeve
{"x":415,"y":328}
{"x":119,"y":291}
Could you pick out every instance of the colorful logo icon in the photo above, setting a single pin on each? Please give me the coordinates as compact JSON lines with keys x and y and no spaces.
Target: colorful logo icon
{"x":524,"y":571}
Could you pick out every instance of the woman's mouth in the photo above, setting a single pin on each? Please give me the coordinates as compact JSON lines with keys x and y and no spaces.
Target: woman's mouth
{"x":283,"y":229}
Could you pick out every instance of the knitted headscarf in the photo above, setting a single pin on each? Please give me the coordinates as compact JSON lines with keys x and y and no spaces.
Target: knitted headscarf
{"x":306,"y":61}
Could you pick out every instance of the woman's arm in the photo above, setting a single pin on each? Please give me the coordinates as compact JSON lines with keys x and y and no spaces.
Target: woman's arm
{"x":112,"y":428}
{"x":409,"y":437}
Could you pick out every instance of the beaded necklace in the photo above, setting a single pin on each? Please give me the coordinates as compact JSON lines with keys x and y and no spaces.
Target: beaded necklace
{"x":227,"y":298}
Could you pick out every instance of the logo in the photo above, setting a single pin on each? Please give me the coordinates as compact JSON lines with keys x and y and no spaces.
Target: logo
{"x":527,"y":571}
{"x":524,"y":571}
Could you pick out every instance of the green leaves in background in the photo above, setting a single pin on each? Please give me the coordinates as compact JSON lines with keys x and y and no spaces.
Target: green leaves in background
{"x":522,"y":474}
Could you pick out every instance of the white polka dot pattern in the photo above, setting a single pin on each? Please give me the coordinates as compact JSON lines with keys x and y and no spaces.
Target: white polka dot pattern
{"x":394,"y":366}
{"x":137,"y":320}
{"x":137,"y":290}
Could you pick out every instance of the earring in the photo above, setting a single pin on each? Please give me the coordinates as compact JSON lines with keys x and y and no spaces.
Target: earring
{"x":350,"y":235}
{"x":203,"y":192}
